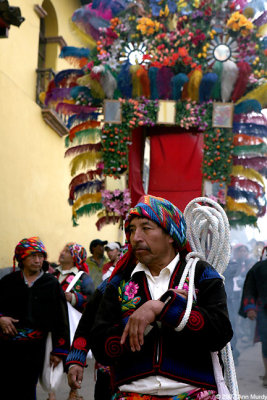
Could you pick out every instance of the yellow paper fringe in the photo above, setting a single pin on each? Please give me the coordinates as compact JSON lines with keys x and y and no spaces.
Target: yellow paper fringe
{"x":249,"y":173}
{"x":104,"y":213}
{"x":137,"y":88}
{"x":232,"y":205}
{"x":86,"y":199}
{"x":84,"y":160}
{"x":260,"y":94}
{"x":86,"y":39}
{"x":193,"y":85}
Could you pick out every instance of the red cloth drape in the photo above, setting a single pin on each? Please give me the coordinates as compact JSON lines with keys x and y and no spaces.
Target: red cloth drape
{"x":175,"y":164}
{"x":175,"y":167}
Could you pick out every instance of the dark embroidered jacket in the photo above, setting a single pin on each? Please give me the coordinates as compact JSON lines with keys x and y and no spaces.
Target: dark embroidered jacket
{"x":255,"y":289}
{"x":183,"y":356}
{"x":82,"y":289}
{"x":40,"y":308}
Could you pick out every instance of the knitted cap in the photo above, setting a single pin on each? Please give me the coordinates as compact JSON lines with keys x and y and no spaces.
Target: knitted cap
{"x":163,"y":213}
{"x":79,"y":256}
{"x":27,"y":247}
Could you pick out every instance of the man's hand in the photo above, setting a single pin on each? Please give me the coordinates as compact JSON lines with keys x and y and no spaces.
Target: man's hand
{"x":68,"y":296}
{"x":54,"y":360}
{"x":75,"y":377}
{"x":251,"y":314}
{"x":7,"y":326}
{"x":138,"y":321}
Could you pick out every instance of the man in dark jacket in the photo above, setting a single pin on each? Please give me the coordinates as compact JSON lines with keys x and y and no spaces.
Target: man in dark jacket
{"x":254,"y":304}
{"x":135,"y":327}
{"x":32,"y":304}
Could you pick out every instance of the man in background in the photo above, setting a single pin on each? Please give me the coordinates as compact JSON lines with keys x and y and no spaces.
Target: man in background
{"x":113,"y":250}
{"x":96,"y":260}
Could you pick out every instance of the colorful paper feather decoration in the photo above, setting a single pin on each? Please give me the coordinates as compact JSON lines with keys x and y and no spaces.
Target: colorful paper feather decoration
{"x":164,"y":78}
{"x":84,"y":161}
{"x":194,"y":84}
{"x":87,"y":209}
{"x":83,"y":148}
{"x":249,"y":173}
{"x":257,"y":163}
{"x":250,"y":150}
{"x":90,"y":186}
{"x":244,"y":71}
{"x":247,"y":184}
{"x":245,"y":140}
{"x":177,"y":83}
{"x":248,"y":106}
{"x":260,"y":94}
{"x":125,"y":80}
{"x":137,"y":88}
{"x":76,"y":56}
{"x":86,"y":199}
{"x":216,"y":91}
{"x":65,"y":108}
{"x":92,"y":134}
{"x":69,"y":75}
{"x":142,"y":75}
{"x":238,"y":218}
{"x":206,"y":85}
{"x":250,"y":129}
{"x":152,"y":74}
{"x":233,"y":205}
{"x":57,"y":94}
{"x":228,"y":80}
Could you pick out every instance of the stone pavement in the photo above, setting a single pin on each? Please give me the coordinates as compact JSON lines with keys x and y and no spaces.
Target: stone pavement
{"x":249,"y":369}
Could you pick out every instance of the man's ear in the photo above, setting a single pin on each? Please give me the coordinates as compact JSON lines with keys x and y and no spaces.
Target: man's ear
{"x":171,"y":240}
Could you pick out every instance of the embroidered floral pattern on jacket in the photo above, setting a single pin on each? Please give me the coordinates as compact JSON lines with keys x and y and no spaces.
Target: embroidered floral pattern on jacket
{"x":127,"y":292}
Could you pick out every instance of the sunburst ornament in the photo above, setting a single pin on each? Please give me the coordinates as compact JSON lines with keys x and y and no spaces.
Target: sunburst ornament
{"x":222,"y":48}
{"x":134,"y":53}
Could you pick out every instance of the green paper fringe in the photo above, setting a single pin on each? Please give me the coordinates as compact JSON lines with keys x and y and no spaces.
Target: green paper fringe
{"x":92,"y":133}
{"x":88,"y":210}
{"x":238,"y":218}
{"x":257,"y":149}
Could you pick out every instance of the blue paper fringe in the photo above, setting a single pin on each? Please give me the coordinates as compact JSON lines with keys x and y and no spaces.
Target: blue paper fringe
{"x":177,"y":83}
{"x":248,"y":106}
{"x":71,"y":51}
{"x":250,"y":129}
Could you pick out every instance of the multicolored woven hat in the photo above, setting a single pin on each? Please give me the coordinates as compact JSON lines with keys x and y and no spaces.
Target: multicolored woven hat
{"x":27,"y":247}
{"x":164,"y":213}
{"x":79,"y":256}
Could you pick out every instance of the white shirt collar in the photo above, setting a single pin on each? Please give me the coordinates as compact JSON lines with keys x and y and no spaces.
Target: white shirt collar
{"x":73,"y":270}
{"x":170,"y":267}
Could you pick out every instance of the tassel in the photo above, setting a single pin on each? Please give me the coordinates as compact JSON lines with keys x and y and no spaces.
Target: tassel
{"x":249,"y":173}
{"x":83,"y":148}
{"x":193,"y":85}
{"x":229,"y":77}
{"x":125,"y":81}
{"x":177,"y":83}
{"x":137,"y":89}
{"x":88,"y":210}
{"x":164,"y":82}
{"x":247,"y":184}
{"x":216,"y":91}
{"x":247,"y":106}
{"x":80,"y":180}
{"x":84,"y":161}
{"x":243,"y":207}
{"x":68,"y":74}
{"x":142,"y":75}
{"x":244,"y":71}
{"x":207,"y":84}
{"x":260,"y":94}
{"x":152,"y":74}
{"x":257,"y":149}
{"x":89,"y":186}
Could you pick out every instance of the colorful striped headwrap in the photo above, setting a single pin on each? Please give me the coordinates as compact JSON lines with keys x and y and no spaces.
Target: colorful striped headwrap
{"x":164,"y":213}
{"x":26,"y":247}
{"x":79,"y":256}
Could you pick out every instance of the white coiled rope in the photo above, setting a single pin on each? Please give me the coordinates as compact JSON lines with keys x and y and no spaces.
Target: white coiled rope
{"x":208,"y":234}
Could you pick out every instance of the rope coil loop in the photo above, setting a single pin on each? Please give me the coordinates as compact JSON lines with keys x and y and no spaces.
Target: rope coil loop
{"x":208,"y":233}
